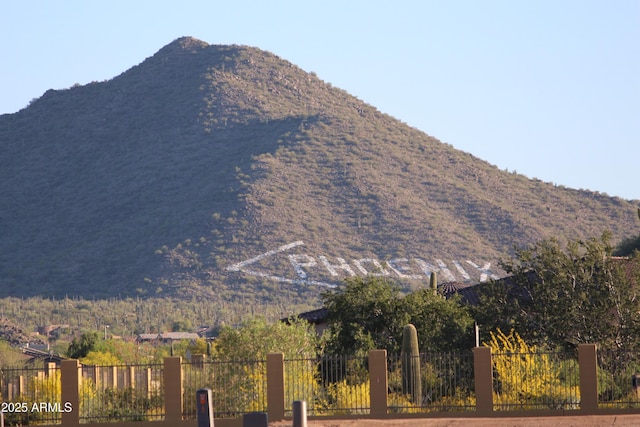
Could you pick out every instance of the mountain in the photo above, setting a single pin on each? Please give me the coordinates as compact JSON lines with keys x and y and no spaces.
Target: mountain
{"x":226,"y":172}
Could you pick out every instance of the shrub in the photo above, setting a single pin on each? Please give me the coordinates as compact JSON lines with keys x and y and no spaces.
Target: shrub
{"x":528,"y":378}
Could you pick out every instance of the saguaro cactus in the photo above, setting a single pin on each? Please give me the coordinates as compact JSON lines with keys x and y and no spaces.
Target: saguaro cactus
{"x":410,"y":358}
{"x":433,"y":283}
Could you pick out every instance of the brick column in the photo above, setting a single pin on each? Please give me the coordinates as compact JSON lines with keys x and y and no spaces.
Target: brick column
{"x":275,"y":386}
{"x":378,"y":383}
{"x":70,"y":391}
{"x":588,"y":361}
{"x":483,"y":375}
{"x":173,"y":389}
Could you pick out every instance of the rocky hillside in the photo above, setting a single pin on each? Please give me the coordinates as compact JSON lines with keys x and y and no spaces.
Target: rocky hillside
{"x":226,"y":172}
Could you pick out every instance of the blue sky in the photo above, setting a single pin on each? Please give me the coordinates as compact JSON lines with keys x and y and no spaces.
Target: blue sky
{"x":550,"y":89}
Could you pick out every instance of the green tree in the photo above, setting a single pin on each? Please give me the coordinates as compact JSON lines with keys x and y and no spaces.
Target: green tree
{"x":198,"y":346}
{"x":443,"y":324}
{"x":80,"y":347}
{"x":100,"y":358}
{"x":565,"y":295}
{"x":365,"y":313}
{"x":628,"y":245}
{"x":254,"y":339}
{"x":123,"y":352}
{"x":371,"y":312}
{"x":182,"y":325}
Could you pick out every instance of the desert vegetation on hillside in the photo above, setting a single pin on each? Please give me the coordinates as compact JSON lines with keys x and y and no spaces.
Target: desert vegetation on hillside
{"x":153,"y":183}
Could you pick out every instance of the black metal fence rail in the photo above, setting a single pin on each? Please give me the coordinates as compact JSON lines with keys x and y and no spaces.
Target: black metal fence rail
{"x":31,"y":395}
{"x":121,"y":393}
{"x":238,"y":387}
{"x":539,"y":380}
{"x":618,"y":379}
{"x":446,"y":384}
{"x":331,"y":385}
{"x":338,"y":386}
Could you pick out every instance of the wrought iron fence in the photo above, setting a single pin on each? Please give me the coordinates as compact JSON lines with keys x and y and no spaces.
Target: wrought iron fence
{"x":121,"y":393}
{"x":31,"y":395}
{"x":238,"y":387}
{"x":331,"y":385}
{"x":446,"y":384}
{"x":618,"y":379}
{"x":536,"y":380}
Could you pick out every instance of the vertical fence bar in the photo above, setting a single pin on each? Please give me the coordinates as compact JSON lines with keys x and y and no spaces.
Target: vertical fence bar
{"x":21,"y":385}
{"x":173,"y":389}
{"x":618,"y":379}
{"x":131,"y":372}
{"x":149,"y":381}
{"x":275,"y":386}
{"x":588,"y":361}
{"x":483,"y":376}
{"x":378,"y":382}
{"x":70,"y":391}
{"x":51,"y":368}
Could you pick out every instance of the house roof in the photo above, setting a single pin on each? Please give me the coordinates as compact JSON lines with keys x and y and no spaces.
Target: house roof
{"x":47,"y":356}
{"x":178,"y":336}
{"x":467,"y":291}
{"x":314,"y":316}
{"x":146,"y":337}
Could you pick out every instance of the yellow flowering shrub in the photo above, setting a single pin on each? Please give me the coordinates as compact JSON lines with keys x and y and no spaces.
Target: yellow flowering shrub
{"x":349,"y":398}
{"x":527,"y":378}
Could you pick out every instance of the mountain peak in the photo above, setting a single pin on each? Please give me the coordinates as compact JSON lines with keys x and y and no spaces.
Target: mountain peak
{"x":181,"y":46}
{"x":223,"y":171}
{"x":187,"y":43}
